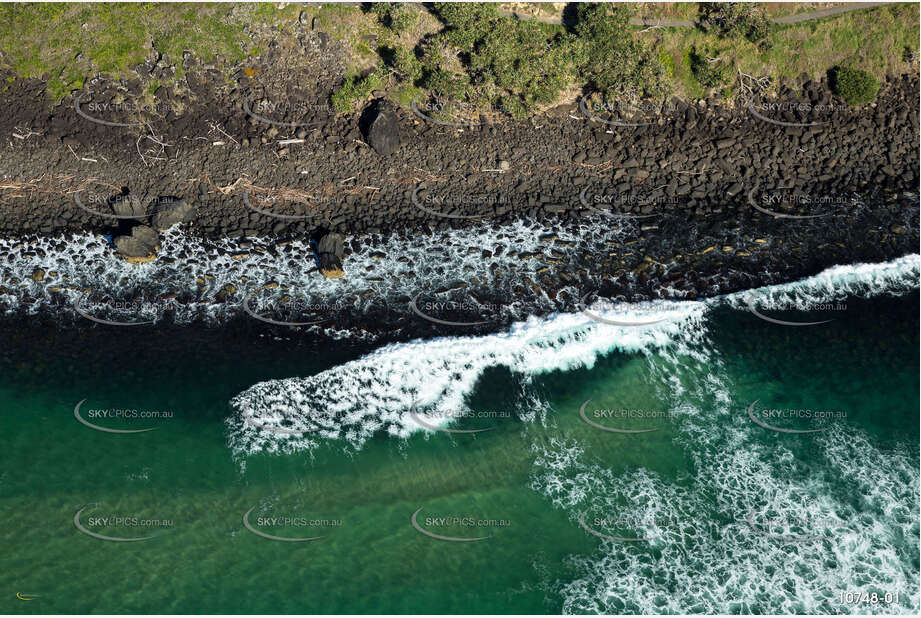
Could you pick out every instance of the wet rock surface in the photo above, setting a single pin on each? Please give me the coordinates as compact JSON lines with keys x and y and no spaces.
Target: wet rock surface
{"x":711,"y":193}
{"x":330,"y":251}
{"x":128,"y":207}
{"x":140,"y":245}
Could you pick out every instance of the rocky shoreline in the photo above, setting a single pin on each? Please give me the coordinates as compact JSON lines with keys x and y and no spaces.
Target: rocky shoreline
{"x":711,"y":198}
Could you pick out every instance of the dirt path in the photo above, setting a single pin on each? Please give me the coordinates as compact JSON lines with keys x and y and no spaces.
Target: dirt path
{"x":836,"y":10}
{"x":686,"y":23}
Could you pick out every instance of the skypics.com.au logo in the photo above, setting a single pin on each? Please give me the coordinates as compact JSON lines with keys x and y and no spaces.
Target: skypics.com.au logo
{"x":613,"y":420}
{"x":128,"y":418}
{"x":434,"y":419}
{"x":280,"y":522}
{"x":785,"y":420}
{"x":610,"y":204}
{"x":799,"y":305}
{"x":297,"y":312}
{"x":771,"y":202}
{"x":116,"y":114}
{"x":112,"y":522}
{"x":624,"y":113}
{"x":439,"y":205}
{"x":789,"y":113}
{"x":271,"y":112}
{"x":133,"y":311}
{"x":453,"y":523}
{"x":428,"y":309}
{"x":447,"y":113}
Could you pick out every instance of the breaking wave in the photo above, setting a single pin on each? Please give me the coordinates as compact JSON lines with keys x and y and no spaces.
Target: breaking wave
{"x":760,"y":528}
{"x":378,"y":391}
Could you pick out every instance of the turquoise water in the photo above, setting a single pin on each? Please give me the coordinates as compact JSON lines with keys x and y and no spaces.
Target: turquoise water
{"x":738,"y":518}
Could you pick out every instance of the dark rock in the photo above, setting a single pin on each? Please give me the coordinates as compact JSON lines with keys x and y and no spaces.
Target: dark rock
{"x":384,"y":132}
{"x":140,"y":246}
{"x":170,"y":211}
{"x":128,"y":206}
{"x":330,"y":251}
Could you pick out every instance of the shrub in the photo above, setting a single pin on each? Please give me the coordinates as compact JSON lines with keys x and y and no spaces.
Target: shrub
{"x":482,"y":57}
{"x":710,"y":73}
{"x":608,"y":57}
{"x":406,"y":63}
{"x":403,"y":62}
{"x":445,"y":84}
{"x":855,"y":86}
{"x":513,"y":107}
{"x":354,"y":89}
{"x":734,"y":19}
{"x":527,"y":58}
{"x":435,"y":77}
{"x":394,"y":15}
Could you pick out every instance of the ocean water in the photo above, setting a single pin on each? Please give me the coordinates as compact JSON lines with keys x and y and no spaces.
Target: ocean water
{"x":662,"y":457}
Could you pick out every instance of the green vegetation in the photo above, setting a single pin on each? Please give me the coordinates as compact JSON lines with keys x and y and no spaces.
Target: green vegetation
{"x":873,"y":40}
{"x":487,"y":60}
{"x":398,"y":17}
{"x":356,"y":88}
{"x":69,"y":42}
{"x":472,"y":54}
{"x":503,"y":60}
{"x":734,"y":19}
{"x":708,"y":68}
{"x":856,"y":87}
{"x":610,"y":59}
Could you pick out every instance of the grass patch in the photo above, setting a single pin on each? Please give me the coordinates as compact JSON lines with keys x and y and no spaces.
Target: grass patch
{"x":874,"y":40}
{"x":70,"y":42}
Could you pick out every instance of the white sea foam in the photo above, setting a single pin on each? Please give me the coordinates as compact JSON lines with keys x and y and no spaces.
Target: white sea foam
{"x":758,"y":529}
{"x":707,"y":554}
{"x":382,"y":271}
{"x":835,"y":284}
{"x":376,"y":392}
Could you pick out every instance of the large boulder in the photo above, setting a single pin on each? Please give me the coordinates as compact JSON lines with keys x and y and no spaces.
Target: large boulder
{"x":384,"y":132}
{"x":170,"y":211}
{"x":128,"y":206}
{"x":330,"y":251}
{"x":140,"y":246}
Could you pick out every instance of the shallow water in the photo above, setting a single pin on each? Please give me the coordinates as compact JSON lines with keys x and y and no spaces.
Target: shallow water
{"x":735,"y":517}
